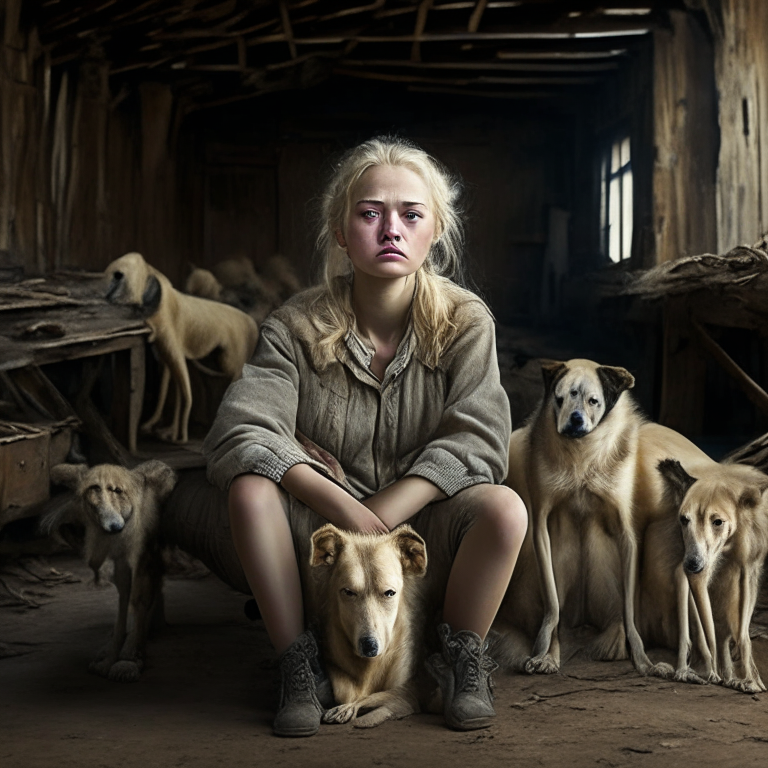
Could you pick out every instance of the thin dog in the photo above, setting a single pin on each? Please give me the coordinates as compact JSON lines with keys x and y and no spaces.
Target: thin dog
{"x":724,"y":518}
{"x":183,"y":328}
{"x":367,"y":595}
{"x":120,"y":510}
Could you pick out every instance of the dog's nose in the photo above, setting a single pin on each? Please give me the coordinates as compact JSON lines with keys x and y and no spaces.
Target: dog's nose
{"x":369,"y":646}
{"x":693,"y":564}
{"x":114,"y":527}
{"x":577,"y":419}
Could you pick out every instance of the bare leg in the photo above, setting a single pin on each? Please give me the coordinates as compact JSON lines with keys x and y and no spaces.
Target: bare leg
{"x":264,"y":545}
{"x":486,"y":558}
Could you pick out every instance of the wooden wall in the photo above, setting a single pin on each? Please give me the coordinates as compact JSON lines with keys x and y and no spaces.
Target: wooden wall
{"x":685,"y":141}
{"x":89,"y":174}
{"x":741,"y":65}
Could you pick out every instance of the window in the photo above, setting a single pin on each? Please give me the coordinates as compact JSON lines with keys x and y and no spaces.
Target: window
{"x":616,"y":202}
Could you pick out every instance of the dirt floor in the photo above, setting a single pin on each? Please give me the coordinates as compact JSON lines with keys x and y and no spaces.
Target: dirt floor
{"x":207,"y":694}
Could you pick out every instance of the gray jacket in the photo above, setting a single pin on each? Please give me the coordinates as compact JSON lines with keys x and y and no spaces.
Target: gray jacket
{"x":449,"y":424}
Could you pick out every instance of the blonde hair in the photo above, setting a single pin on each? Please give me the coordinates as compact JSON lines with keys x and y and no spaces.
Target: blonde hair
{"x":436,"y":293}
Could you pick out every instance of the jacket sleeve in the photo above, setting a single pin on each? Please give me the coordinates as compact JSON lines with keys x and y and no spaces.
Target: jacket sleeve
{"x":471,"y":443}
{"x":255,"y":425}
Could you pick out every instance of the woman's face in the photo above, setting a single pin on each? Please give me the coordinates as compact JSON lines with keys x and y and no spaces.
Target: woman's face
{"x":390,"y":227}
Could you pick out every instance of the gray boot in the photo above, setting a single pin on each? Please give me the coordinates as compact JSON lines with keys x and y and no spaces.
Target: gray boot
{"x":463,"y":671}
{"x":299,"y":712}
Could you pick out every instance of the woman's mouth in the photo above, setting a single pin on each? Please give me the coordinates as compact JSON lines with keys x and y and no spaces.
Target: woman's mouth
{"x":390,"y":251}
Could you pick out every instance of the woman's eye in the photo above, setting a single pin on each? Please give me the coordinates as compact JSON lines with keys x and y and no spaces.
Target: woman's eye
{"x":370,"y":214}
{"x":389,"y":593}
{"x":412,"y":216}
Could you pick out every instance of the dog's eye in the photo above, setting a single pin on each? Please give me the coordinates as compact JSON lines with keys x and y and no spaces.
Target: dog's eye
{"x":117,"y":275}
{"x":348,"y":592}
{"x":574,"y":392}
{"x":118,"y":491}
{"x":717,"y":522}
{"x":389,"y":593}
{"x":685,"y":520}
{"x":594,"y":401}
{"x":559,"y":401}
{"x":94,"y":488}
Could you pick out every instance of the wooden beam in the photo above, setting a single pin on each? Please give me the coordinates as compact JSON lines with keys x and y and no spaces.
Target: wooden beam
{"x":485,"y":94}
{"x":751,"y":388}
{"x":421,"y":23}
{"x":366,"y":75}
{"x":576,"y":66}
{"x":477,"y":15}
{"x":514,"y":55}
{"x":287,"y":29}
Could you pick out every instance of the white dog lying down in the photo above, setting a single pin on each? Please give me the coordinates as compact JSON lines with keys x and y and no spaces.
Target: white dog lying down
{"x":120,"y":510}
{"x":183,"y":328}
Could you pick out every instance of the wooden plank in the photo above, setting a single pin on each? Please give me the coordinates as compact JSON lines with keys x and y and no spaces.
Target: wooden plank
{"x":287,"y":29}
{"x":757,"y":395}
{"x":421,"y":23}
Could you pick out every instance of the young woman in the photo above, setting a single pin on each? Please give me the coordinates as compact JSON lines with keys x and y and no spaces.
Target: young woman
{"x":390,"y":367}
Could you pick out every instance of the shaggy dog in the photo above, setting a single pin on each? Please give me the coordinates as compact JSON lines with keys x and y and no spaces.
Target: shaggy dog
{"x":367,"y":595}
{"x":183,"y":328}
{"x":723,"y":514}
{"x":120,"y":511}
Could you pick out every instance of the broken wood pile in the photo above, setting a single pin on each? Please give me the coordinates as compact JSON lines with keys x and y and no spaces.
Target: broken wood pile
{"x":729,"y":290}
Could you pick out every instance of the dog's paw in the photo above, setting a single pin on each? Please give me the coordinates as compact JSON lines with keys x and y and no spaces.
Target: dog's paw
{"x":167,"y":434}
{"x":713,"y":678}
{"x":743,"y":686}
{"x":124,"y":672}
{"x":100,"y":667}
{"x":542,"y":665}
{"x":687,"y":675}
{"x":662,"y":670}
{"x":341,"y":714}
{"x":373,"y":718}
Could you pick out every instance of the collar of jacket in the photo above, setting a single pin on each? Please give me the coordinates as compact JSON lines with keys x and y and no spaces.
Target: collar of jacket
{"x":362,"y":352}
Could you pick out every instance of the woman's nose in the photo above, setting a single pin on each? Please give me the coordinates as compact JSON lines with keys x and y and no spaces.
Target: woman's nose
{"x":390,"y":227}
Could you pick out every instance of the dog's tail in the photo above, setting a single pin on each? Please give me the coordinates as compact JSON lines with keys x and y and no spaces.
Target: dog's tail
{"x":509,"y":647}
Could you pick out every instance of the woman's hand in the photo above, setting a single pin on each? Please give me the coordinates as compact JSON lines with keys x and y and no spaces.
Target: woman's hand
{"x":330,"y":501}
{"x":403,"y":499}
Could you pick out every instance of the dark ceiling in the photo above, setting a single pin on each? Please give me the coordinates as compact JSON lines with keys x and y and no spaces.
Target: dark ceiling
{"x":217,"y":53}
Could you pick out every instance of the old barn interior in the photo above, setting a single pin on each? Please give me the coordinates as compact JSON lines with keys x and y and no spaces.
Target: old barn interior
{"x":599,"y":143}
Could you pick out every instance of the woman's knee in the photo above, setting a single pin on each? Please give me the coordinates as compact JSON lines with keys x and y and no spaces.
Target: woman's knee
{"x":502,"y":512}
{"x":254,"y":496}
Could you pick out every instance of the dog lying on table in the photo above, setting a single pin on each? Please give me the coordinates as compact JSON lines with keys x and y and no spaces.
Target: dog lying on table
{"x":183,"y":328}
{"x":120,"y":511}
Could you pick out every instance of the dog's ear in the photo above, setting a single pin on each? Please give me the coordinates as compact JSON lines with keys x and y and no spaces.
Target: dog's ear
{"x":676,"y":480}
{"x":552,"y":371}
{"x":413,"y":550}
{"x":69,"y":475}
{"x":614,"y":381}
{"x":150,"y":299}
{"x":327,"y":543}
{"x":159,"y":476}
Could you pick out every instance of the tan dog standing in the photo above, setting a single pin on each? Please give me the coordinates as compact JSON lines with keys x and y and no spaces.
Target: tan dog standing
{"x":120,"y":510}
{"x":723,"y":513}
{"x":367,"y":594}
{"x":183,"y":328}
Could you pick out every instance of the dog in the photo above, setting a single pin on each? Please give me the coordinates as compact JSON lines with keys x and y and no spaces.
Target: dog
{"x":182,"y":328}
{"x":202,"y":283}
{"x":723,"y":514}
{"x":120,"y":511}
{"x":367,"y":596}
{"x":574,"y":465}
